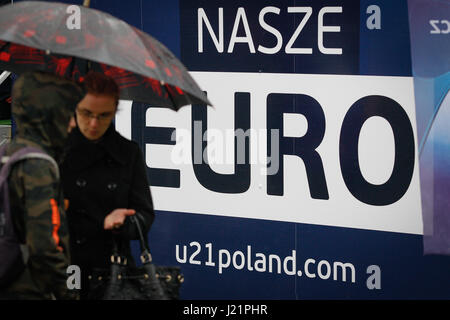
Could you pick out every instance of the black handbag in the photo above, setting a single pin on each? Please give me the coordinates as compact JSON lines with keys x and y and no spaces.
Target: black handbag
{"x":123,"y":281}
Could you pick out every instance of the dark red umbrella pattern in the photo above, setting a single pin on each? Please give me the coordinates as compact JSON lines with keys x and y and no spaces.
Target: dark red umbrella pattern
{"x":37,"y":35}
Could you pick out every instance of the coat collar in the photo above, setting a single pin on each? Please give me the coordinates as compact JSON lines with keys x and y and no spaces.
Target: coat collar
{"x":108,"y":145}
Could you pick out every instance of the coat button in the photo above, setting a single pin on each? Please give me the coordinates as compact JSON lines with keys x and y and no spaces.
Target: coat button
{"x":81,"y":183}
{"x":112,"y":186}
{"x":80,"y":241}
{"x":109,"y":162}
{"x":80,"y":211}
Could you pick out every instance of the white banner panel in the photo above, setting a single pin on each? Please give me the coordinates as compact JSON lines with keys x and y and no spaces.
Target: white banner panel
{"x":335,"y":94}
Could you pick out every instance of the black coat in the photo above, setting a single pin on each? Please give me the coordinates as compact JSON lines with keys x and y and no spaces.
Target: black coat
{"x":98,"y":178}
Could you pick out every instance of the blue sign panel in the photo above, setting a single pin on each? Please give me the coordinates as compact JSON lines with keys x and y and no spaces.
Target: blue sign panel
{"x":321,"y":197}
{"x":303,"y":180}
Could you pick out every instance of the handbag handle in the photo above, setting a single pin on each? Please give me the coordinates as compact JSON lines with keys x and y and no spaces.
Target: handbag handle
{"x":146,"y":257}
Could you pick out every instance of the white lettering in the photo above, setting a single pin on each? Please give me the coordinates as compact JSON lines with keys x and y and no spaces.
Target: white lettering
{"x":74,"y":20}
{"x":260,"y":264}
{"x":292,"y":258}
{"x":273,"y":257}
{"x":374,"y":20}
{"x":308,"y":13}
{"x":445,"y":31}
{"x":328,"y":269}
{"x":438,"y":30}
{"x":211,"y":311}
{"x":240,"y":15}
{"x":74,"y":280}
{"x":343,"y":267}
{"x":241,"y":256}
{"x":177,"y":254}
{"x":223,"y":264}
{"x":270,"y":29}
{"x":374,"y":280}
{"x":307,"y":263}
{"x":218,"y":41}
{"x":434,"y":24}
{"x":191,"y":259}
{"x":322,"y":29}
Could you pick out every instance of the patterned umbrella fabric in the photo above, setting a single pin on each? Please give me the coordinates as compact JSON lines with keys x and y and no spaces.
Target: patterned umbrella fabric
{"x":70,"y":40}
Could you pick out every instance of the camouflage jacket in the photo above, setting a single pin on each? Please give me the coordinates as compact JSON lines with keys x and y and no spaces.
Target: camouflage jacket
{"x":42,"y":107}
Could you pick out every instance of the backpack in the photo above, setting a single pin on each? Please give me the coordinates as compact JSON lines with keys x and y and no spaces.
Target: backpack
{"x":13,"y":254}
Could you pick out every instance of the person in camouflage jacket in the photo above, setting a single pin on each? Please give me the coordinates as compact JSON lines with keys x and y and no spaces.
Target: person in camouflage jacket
{"x":43,"y":108}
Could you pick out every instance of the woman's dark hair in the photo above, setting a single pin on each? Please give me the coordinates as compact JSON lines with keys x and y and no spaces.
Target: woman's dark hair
{"x":100,"y":84}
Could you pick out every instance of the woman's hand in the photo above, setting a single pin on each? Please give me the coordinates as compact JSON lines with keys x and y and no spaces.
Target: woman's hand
{"x":116,"y":218}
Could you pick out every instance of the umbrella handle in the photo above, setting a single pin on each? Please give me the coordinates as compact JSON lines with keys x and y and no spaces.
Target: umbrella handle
{"x":86,"y":3}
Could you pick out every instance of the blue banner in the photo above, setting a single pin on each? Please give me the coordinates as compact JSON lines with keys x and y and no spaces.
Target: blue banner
{"x":430,"y":45}
{"x":308,"y":178}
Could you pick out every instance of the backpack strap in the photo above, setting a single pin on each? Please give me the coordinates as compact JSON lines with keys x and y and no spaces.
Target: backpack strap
{"x":22,"y":154}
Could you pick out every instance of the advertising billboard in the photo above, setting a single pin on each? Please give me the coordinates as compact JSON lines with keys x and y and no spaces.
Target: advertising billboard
{"x":302,"y":181}
{"x":320,"y":170}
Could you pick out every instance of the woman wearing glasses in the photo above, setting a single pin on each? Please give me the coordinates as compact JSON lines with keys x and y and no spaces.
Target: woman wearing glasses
{"x":104,"y":179}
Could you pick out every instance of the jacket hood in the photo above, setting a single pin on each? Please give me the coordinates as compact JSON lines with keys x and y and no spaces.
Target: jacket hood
{"x":42,"y":106}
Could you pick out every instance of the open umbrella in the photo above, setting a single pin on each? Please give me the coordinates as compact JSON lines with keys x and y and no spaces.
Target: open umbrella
{"x":70,"y":40}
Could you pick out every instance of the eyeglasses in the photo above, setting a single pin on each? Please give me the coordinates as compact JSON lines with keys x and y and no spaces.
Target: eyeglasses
{"x":86,"y":114}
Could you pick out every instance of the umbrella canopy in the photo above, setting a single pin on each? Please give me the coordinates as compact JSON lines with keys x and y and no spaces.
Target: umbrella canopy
{"x":70,"y":40}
